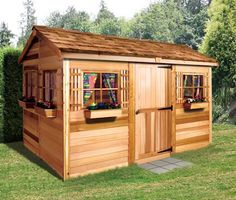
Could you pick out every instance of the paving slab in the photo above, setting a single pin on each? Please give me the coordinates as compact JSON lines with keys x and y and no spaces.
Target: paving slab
{"x":170,"y":166}
{"x":164,"y":165}
{"x":171,"y":160}
{"x":159,"y":163}
{"x":159,"y":170}
{"x":147,"y":166}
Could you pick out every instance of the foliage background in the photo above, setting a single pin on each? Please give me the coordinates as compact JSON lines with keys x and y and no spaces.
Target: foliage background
{"x":10,"y":91}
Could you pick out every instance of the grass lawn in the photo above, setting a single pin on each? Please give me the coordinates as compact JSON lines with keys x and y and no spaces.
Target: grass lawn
{"x":213,"y":176}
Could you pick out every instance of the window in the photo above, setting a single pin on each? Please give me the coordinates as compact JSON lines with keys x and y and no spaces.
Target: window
{"x":49,"y":85}
{"x":100,"y":87}
{"x":30,"y":83}
{"x":193,"y":86}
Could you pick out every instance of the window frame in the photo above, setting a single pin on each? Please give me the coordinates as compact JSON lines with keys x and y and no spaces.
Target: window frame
{"x":52,"y":89}
{"x":179,"y":87}
{"x":101,"y":89}
{"x":31,"y":85}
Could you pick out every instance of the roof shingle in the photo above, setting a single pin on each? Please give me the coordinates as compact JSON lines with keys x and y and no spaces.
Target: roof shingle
{"x":78,"y":42}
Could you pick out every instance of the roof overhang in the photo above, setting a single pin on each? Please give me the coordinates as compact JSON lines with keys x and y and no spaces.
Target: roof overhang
{"x":83,"y":56}
{"x":27,"y":46}
{"x":36,"y":34}
{"x":186,"y":62}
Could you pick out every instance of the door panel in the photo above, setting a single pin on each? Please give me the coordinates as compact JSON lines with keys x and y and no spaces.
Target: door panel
{"x":153,"y":126}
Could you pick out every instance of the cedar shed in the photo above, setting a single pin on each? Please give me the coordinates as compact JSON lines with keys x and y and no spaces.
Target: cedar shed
{"x":101,"y":102}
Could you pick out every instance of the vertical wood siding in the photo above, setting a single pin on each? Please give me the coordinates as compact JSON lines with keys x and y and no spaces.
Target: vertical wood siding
{"x":153,"y":128}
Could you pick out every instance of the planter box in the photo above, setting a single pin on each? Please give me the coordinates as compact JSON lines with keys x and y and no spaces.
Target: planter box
{"x":48,"y":113}
{"x":93,"y":114}
{"x":196,"y":106}
{"x":25,"y":104}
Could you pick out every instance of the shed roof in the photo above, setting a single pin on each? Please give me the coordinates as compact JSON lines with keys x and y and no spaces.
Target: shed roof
{"x":80,"y":42}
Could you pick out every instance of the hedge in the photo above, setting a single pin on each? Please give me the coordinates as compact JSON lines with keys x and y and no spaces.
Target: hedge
{"x":10,"y":92}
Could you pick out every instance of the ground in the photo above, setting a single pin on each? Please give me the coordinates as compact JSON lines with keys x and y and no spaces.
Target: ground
{"x":212,"y":176}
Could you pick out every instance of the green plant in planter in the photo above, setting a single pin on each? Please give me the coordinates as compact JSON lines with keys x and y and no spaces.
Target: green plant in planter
{"x":46,"y":105}
{"x":187,"y":103}
{"x":195,"y":100}
{"x":103,"y":106}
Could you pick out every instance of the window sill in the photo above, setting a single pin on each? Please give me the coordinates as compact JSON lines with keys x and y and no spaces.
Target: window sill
{"x":94,"y":114}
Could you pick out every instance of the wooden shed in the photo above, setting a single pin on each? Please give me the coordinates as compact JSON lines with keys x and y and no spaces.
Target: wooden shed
{"x":94,"y":102}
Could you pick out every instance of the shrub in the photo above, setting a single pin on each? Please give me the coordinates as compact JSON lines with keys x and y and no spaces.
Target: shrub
{"x":10,"y":91}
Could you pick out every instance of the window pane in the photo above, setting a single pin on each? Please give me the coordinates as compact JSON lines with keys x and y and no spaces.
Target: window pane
{"x":49,"y":86}
{"x":97,"y":97}
{"x":198,"y":80}
{"x":28,"y":84}
{"x":109,"y":96}
{"x":188,"y":80}
{"x":109,"y":80}
{"x":88,"y":97}
{"x":188,"y":93}
{"x":198,"y":93}
{"x":91,"y":80}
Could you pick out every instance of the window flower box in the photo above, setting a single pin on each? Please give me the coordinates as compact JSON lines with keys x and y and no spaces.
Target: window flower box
{"x":195,"y":104}
{"x":48,"y":113}
{"x":102,"y":110}
{"x":46,"y":109}
{"x":26,"y":102}
{"x":94,"y":114}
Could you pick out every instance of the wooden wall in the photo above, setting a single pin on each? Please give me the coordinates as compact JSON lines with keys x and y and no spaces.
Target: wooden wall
{"x":193,"y":128}
{"x":31,"y":132}
{"x":100,"y":144}
{"x":44,"y":136}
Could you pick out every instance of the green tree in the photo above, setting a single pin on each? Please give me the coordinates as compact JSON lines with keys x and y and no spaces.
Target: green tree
{"x":28,"y":19}
{"x":55,"y":20}
{"x":193,"y":28}
{"x":106,"y":22}
{"x":193,"y":6}
{"x":162,"y":21}
{"x":220,"y":43}
{"x":104,"y":13}
{"x":195,"y":17}
{"x":71,"y":19}
{"x":5,"y":35}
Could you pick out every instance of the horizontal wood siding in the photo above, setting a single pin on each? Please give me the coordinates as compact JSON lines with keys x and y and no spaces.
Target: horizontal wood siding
{"x":192,"y":127}
{"x":51,"y":142}
{"x":44,"y":137}
{"x":30,"y":131}
{"x":93,"y":150}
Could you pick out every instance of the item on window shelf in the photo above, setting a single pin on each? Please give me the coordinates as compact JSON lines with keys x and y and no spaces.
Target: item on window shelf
{"x":109,"y":82}
{"x":46,"y":109}
{"x":27,"y":102}
{"x":103,"y":106}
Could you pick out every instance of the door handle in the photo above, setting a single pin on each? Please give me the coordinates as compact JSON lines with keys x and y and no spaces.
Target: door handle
{"x":144,"y":110}
{"x":166,"y":108}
